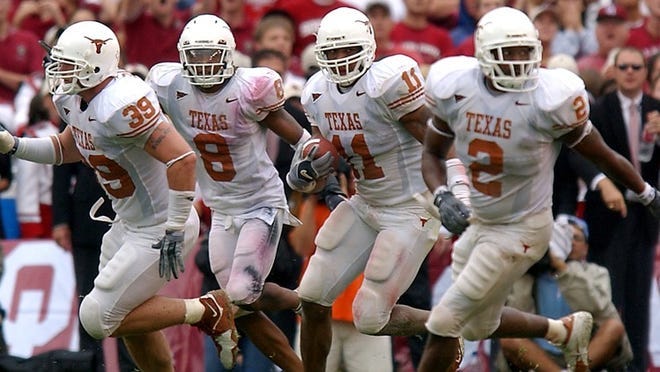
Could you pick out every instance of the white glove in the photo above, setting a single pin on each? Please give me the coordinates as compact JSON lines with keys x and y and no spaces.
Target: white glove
{"x":7,"y":142}
{"x":561,"y":241}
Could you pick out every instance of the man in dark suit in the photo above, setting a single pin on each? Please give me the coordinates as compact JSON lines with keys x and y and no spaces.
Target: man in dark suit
{"x":75,"y":189}
{"x":626,"y":245}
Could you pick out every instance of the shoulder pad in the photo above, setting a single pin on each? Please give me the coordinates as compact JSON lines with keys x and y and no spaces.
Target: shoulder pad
{"x":313,"y":84}
{"x":126,"y":90}
{"x":259,"y":83}
{"x":162,"y":74}
{"x":556,"y":86}
{"x":446,"y":74}
{"x":386,"y":72}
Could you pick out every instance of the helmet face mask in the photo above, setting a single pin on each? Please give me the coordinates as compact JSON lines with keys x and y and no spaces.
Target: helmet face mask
{"x":346,"y":29}
{"x":500,"y":34}
{"x":206,"y":49}
{"x":84,"y":56}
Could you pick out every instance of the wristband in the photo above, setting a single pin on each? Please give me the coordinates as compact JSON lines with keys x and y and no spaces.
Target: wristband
{"x":15,"y":147}
{"x":303,"y":138}
{"x":180,"y":203}
{"x":439,"y":190}
{"x":647,"y":195}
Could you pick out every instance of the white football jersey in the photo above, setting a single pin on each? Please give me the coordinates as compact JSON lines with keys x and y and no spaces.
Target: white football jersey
{"x":234,"y":171}
{"x":507,"y":141}
{"x":363,"y":124}
{"x":110,"y":133}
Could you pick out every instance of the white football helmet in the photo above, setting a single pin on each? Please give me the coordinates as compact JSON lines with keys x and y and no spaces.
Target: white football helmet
{"x":205,"y":48}
{"x":502,"y":28}
{"x":341,"y":28}
{"x":84,"y":56}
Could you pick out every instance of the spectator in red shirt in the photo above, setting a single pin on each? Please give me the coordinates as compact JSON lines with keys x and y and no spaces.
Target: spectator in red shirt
{"x":150,"y":30}
{"x":416,"y":33}
{"x":21,"y":57}
{"x":37,"y":16}
{"x":647,"y":36}
{"x":611,"y":33}
{"x":466,"y":48}
{"x":306,"y":16}
{"x":381,"y":20}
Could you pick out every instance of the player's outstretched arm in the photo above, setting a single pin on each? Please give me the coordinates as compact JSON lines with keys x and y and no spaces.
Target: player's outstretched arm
{"x":616,"y":167}
{"x":56,"y":149}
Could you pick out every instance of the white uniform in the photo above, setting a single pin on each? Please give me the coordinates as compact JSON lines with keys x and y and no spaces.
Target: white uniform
{"x":111,"y":133}
{"x":508,"y":143}
{"x":382,"y":230}
{"x":238,"y":180}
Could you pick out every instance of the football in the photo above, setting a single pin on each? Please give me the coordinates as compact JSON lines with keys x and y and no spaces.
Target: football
{"x":325,"y":146}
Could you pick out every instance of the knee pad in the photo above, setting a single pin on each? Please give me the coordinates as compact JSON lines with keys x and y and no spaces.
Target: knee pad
{"x":91,"y":318}
{"x":312,"y":287}
{"x":245,"y":288}
{"x":335,"y":228}
{"x":371,"y":312}
{"x":384,"y":257}
{"x":443,"y":323}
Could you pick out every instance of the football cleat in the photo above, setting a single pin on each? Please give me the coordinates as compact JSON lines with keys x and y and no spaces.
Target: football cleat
{"x":575,"y":348}
{"x":218,"y":322}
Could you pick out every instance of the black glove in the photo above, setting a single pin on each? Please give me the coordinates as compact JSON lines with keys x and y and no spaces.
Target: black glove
{"x":171,"y":257}
{"x":305,"y":171}
{"x":332,"y":194}
{"x":654,"y":205}
{"x":453,"y":213}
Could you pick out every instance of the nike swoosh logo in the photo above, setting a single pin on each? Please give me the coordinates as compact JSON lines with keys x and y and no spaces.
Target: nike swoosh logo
{"x":230,"y":100}
{"x":358,"y":93}
{"x":215,"y":313}
{"x":304,"y":174}
{"x":91,"y":119}
{"x":518,"y":103}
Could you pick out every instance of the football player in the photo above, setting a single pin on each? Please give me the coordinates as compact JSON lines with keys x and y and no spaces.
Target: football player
{"x":507,"y":119}
{"x":374,"y":114}
{"x":115,"y":126}
{"x":224,"y":113}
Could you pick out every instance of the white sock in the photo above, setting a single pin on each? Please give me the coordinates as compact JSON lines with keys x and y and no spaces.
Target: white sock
{"x":556,"y":332}
{"x":194,"y":311}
